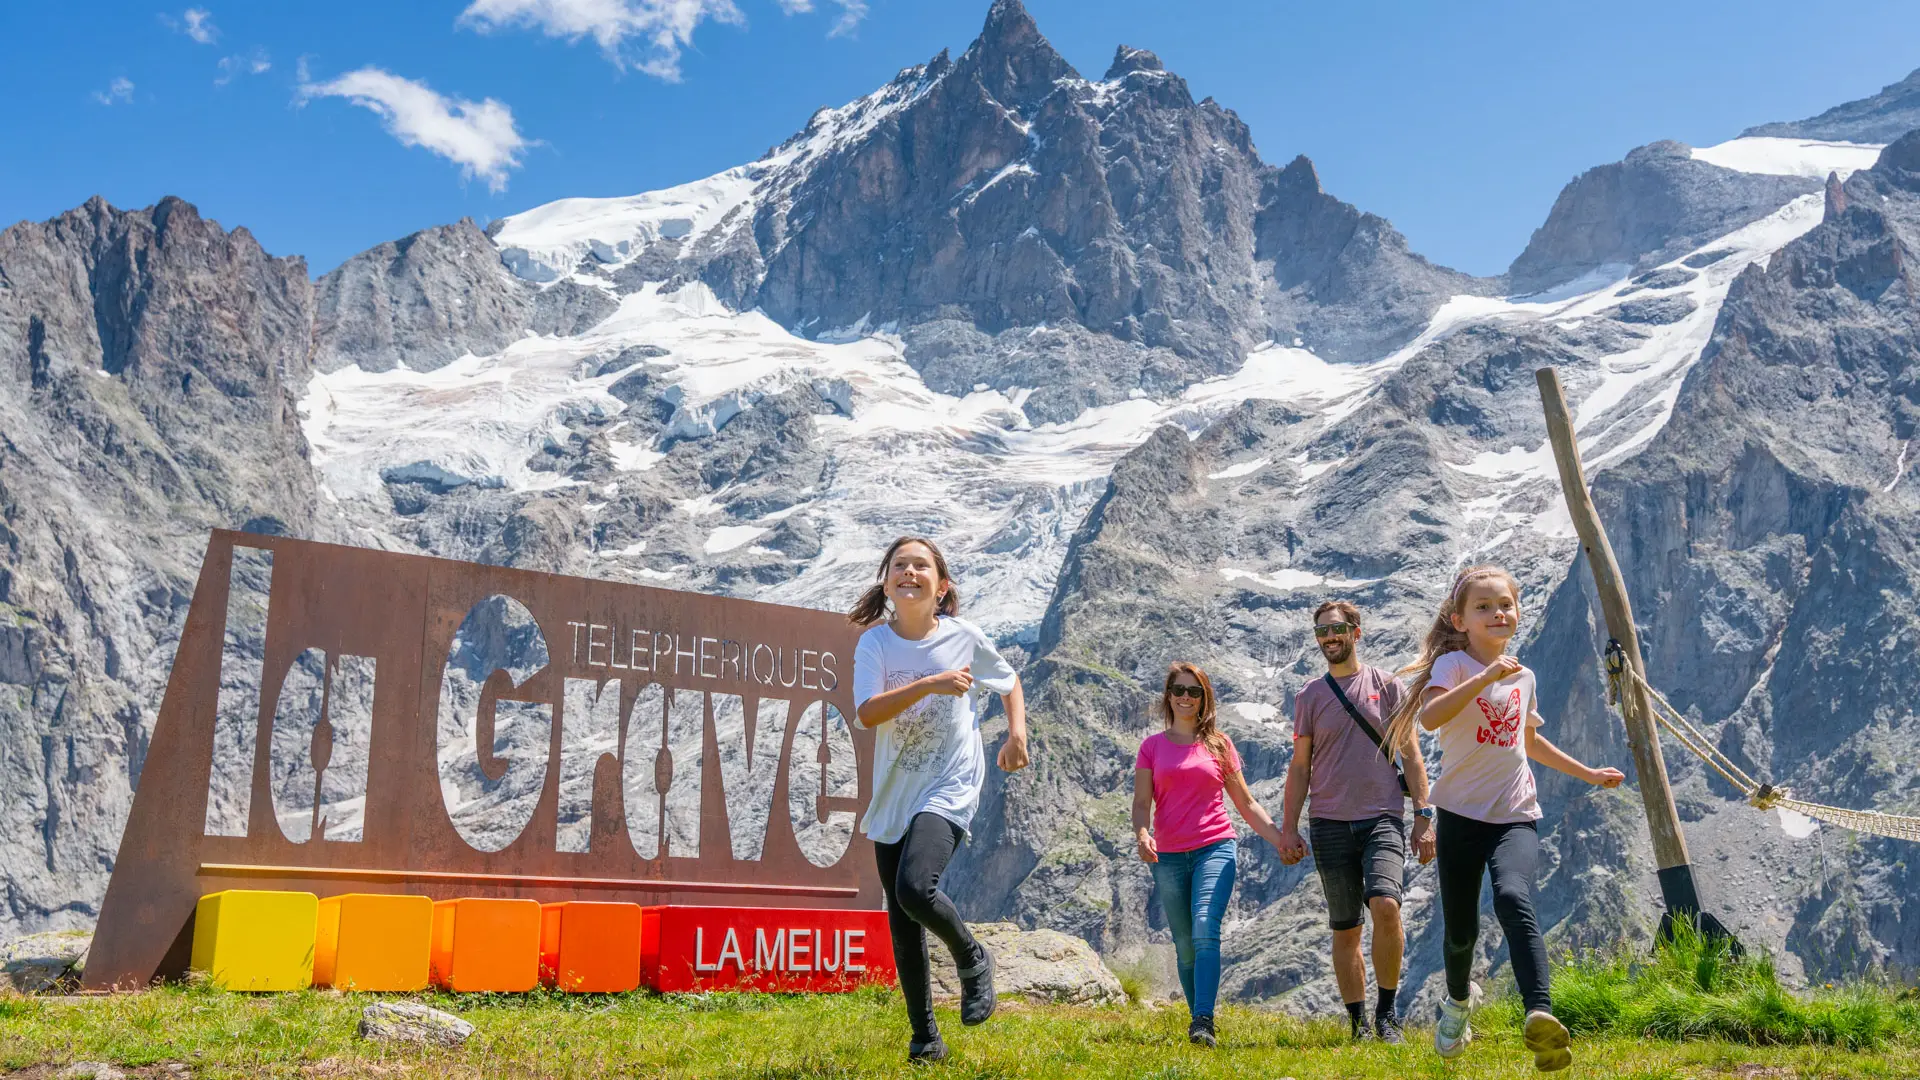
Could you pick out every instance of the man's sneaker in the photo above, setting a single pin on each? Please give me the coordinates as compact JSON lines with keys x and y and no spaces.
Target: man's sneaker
{"x":927,"y":1051}
{"x":977,"y":998}
{"x":1547,"y":1037}
{"x":1386,"y":1028}
{"x":1200,"y":1032}
{"x":1358,"y":1029}
{"x":1452,"y":1034}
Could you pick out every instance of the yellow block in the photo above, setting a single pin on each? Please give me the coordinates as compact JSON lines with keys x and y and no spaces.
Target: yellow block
{"x":248,"y":939}
{"x":370,"y":941}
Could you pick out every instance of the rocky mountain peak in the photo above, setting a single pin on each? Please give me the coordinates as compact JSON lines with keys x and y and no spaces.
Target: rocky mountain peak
{"x":1013,"y":60}
{"x":1127,"y":60}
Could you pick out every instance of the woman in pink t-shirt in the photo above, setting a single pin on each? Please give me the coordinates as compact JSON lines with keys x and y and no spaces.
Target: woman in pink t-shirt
{"x":1180,"y":774}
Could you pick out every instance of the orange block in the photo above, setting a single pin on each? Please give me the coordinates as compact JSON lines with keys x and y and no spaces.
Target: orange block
{"x":486,"y":945}
{"x":370,"y":941}
{"x":590,"y":948}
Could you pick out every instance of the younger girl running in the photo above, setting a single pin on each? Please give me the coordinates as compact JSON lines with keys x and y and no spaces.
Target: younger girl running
{"x":1180,"y":773}
{"x":916,"y":678}
{"x":1481,"y":706}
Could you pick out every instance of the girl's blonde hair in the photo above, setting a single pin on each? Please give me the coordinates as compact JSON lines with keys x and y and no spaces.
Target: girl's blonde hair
{"x":1207,"y":725}
{"x":1442,"y":638}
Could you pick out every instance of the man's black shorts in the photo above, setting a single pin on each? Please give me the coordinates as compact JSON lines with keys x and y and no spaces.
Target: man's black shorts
{"x":1358,"y":860}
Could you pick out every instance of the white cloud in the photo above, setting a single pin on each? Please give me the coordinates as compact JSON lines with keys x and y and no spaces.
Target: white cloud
{"x":118,"y":92}
{"x":256,"y":62}
{"x":851,"y":13}
{"x":648,"y":34}
{"x":197,"y":23}
{"x":479,"y":137}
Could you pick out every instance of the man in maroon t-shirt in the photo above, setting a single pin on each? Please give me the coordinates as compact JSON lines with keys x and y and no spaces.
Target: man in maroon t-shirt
{"x":1358,"y":823}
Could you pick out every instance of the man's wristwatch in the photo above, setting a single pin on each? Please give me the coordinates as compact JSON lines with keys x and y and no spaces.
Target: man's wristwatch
{"x":1423,"y":811}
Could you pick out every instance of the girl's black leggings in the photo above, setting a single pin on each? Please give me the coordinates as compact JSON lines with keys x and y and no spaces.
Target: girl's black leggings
{"x":910,"y":872}
{"x":1468,"y":849}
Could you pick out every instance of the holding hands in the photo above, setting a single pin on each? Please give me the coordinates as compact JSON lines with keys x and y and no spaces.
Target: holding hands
{"x":1292,"y":846}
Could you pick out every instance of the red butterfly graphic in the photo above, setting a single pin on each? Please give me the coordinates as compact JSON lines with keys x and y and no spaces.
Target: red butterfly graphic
{"x":1503,"y":723}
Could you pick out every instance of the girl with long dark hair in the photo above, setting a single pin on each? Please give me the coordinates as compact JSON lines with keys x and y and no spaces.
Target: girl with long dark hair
{"x":1179,"y":776}
{"x":920,"y":674}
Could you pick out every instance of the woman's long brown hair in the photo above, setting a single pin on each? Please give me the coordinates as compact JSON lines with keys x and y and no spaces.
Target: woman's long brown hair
{"x":1206,"y":726}
{"x":1441,"y":639}
{"x":872,"y":605}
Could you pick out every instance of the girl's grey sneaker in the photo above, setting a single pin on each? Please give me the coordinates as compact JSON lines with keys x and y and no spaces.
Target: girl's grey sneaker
{"x":1452,"y":1034}
{"x":1200,"y":1031}
{"x":1547,"y":1037}
{"x":977,"y":998}
{"x":927,"y":1051}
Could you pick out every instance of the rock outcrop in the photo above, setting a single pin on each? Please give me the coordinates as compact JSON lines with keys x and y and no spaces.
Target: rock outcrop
{"x":1038,"y":965}
{"x":149,"y":364}
{"x":1652,"y":207}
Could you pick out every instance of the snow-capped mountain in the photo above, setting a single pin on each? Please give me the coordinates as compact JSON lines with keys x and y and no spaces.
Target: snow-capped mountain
{"x":1156,"y":397}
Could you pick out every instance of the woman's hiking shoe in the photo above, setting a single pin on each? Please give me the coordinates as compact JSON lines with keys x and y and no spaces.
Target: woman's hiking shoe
{"x":1200,"y":1031}
{"x":1452,"y":1034}
{"x":927,"y":1051}
{"x":1386,"y":1028}
{"x":976,"y":990}
{"x":1547,"y":1037}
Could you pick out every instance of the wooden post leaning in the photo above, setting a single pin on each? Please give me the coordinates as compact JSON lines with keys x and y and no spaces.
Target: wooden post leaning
{"x":1677,"y":887}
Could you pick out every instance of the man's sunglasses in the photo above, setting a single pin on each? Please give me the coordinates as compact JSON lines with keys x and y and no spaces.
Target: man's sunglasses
{"x":1186,"y":691}
{"x":1328,"y":629}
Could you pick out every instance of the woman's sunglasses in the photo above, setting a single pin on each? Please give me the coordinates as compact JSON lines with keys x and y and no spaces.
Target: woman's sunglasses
{"x":1328,"y":629}
{"x":1186,"y":691}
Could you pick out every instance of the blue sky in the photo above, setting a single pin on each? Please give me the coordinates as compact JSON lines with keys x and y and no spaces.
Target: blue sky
{"x":1458,"y":122}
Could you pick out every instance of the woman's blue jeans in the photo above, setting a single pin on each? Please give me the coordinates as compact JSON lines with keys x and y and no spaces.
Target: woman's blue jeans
{"x":1194,"y":888}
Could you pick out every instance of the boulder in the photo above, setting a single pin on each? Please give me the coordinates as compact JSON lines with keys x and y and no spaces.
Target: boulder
{"x":90,"y":1070}
{"x":1040,"y":965}
{"x":38,"y":963}
{"x":410,"y":1021}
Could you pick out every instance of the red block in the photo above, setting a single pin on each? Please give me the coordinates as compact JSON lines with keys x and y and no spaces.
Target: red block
{"x":590,"y":948}
{"x":741,"y":948}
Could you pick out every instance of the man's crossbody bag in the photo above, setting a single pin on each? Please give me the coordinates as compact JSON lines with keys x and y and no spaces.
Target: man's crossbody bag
{"x":1371,"y":734}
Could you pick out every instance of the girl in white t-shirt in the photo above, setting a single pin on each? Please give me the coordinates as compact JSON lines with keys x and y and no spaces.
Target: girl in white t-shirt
{"x":919,"y":680}
{"x":1480,"y":704}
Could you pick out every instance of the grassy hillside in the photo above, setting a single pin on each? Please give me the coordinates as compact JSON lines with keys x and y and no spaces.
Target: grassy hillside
{"x":858,"y":1035}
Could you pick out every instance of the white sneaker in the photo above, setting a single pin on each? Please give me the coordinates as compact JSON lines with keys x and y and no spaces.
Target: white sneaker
{"x":1452,"y":1034}
{"x":1547,"y":1037}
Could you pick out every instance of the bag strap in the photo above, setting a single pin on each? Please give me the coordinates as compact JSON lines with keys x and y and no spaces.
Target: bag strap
{"x":1372,"y":735}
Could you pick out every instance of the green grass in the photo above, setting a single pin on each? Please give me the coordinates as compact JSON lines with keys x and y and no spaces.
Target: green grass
{"x":856,"y":1035}
{"x":1693,"y":988}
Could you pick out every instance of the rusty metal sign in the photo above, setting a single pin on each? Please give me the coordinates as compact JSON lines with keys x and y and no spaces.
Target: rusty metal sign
{"x":347,"y":720}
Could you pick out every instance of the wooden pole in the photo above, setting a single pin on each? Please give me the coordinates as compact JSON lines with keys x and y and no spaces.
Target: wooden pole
{"x":1650,"y":768}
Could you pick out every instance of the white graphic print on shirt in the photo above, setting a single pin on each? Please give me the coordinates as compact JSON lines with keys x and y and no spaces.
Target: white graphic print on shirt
{"x":920,"y":733}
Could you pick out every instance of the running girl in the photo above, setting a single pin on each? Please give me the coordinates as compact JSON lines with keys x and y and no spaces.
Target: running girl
{"x":1180,"y":773}
{"x":1481,"y":706}
{"x":917,"y":679}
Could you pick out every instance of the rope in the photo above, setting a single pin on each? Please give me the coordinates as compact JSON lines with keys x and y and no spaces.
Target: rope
{"x":1761,"y":796}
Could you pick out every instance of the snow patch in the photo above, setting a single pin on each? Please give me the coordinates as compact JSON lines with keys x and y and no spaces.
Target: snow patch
{"x":1790,"y":157}
{"x":1289,"y":579}
{"x":728,"y":537}
{"x":1245,"y":468}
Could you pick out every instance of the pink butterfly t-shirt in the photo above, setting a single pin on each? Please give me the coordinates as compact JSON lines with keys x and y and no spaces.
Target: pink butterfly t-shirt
{"x":1484,"y":772}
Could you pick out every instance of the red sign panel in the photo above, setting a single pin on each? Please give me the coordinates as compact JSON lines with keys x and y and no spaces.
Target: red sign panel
{"x":742,"y":948}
